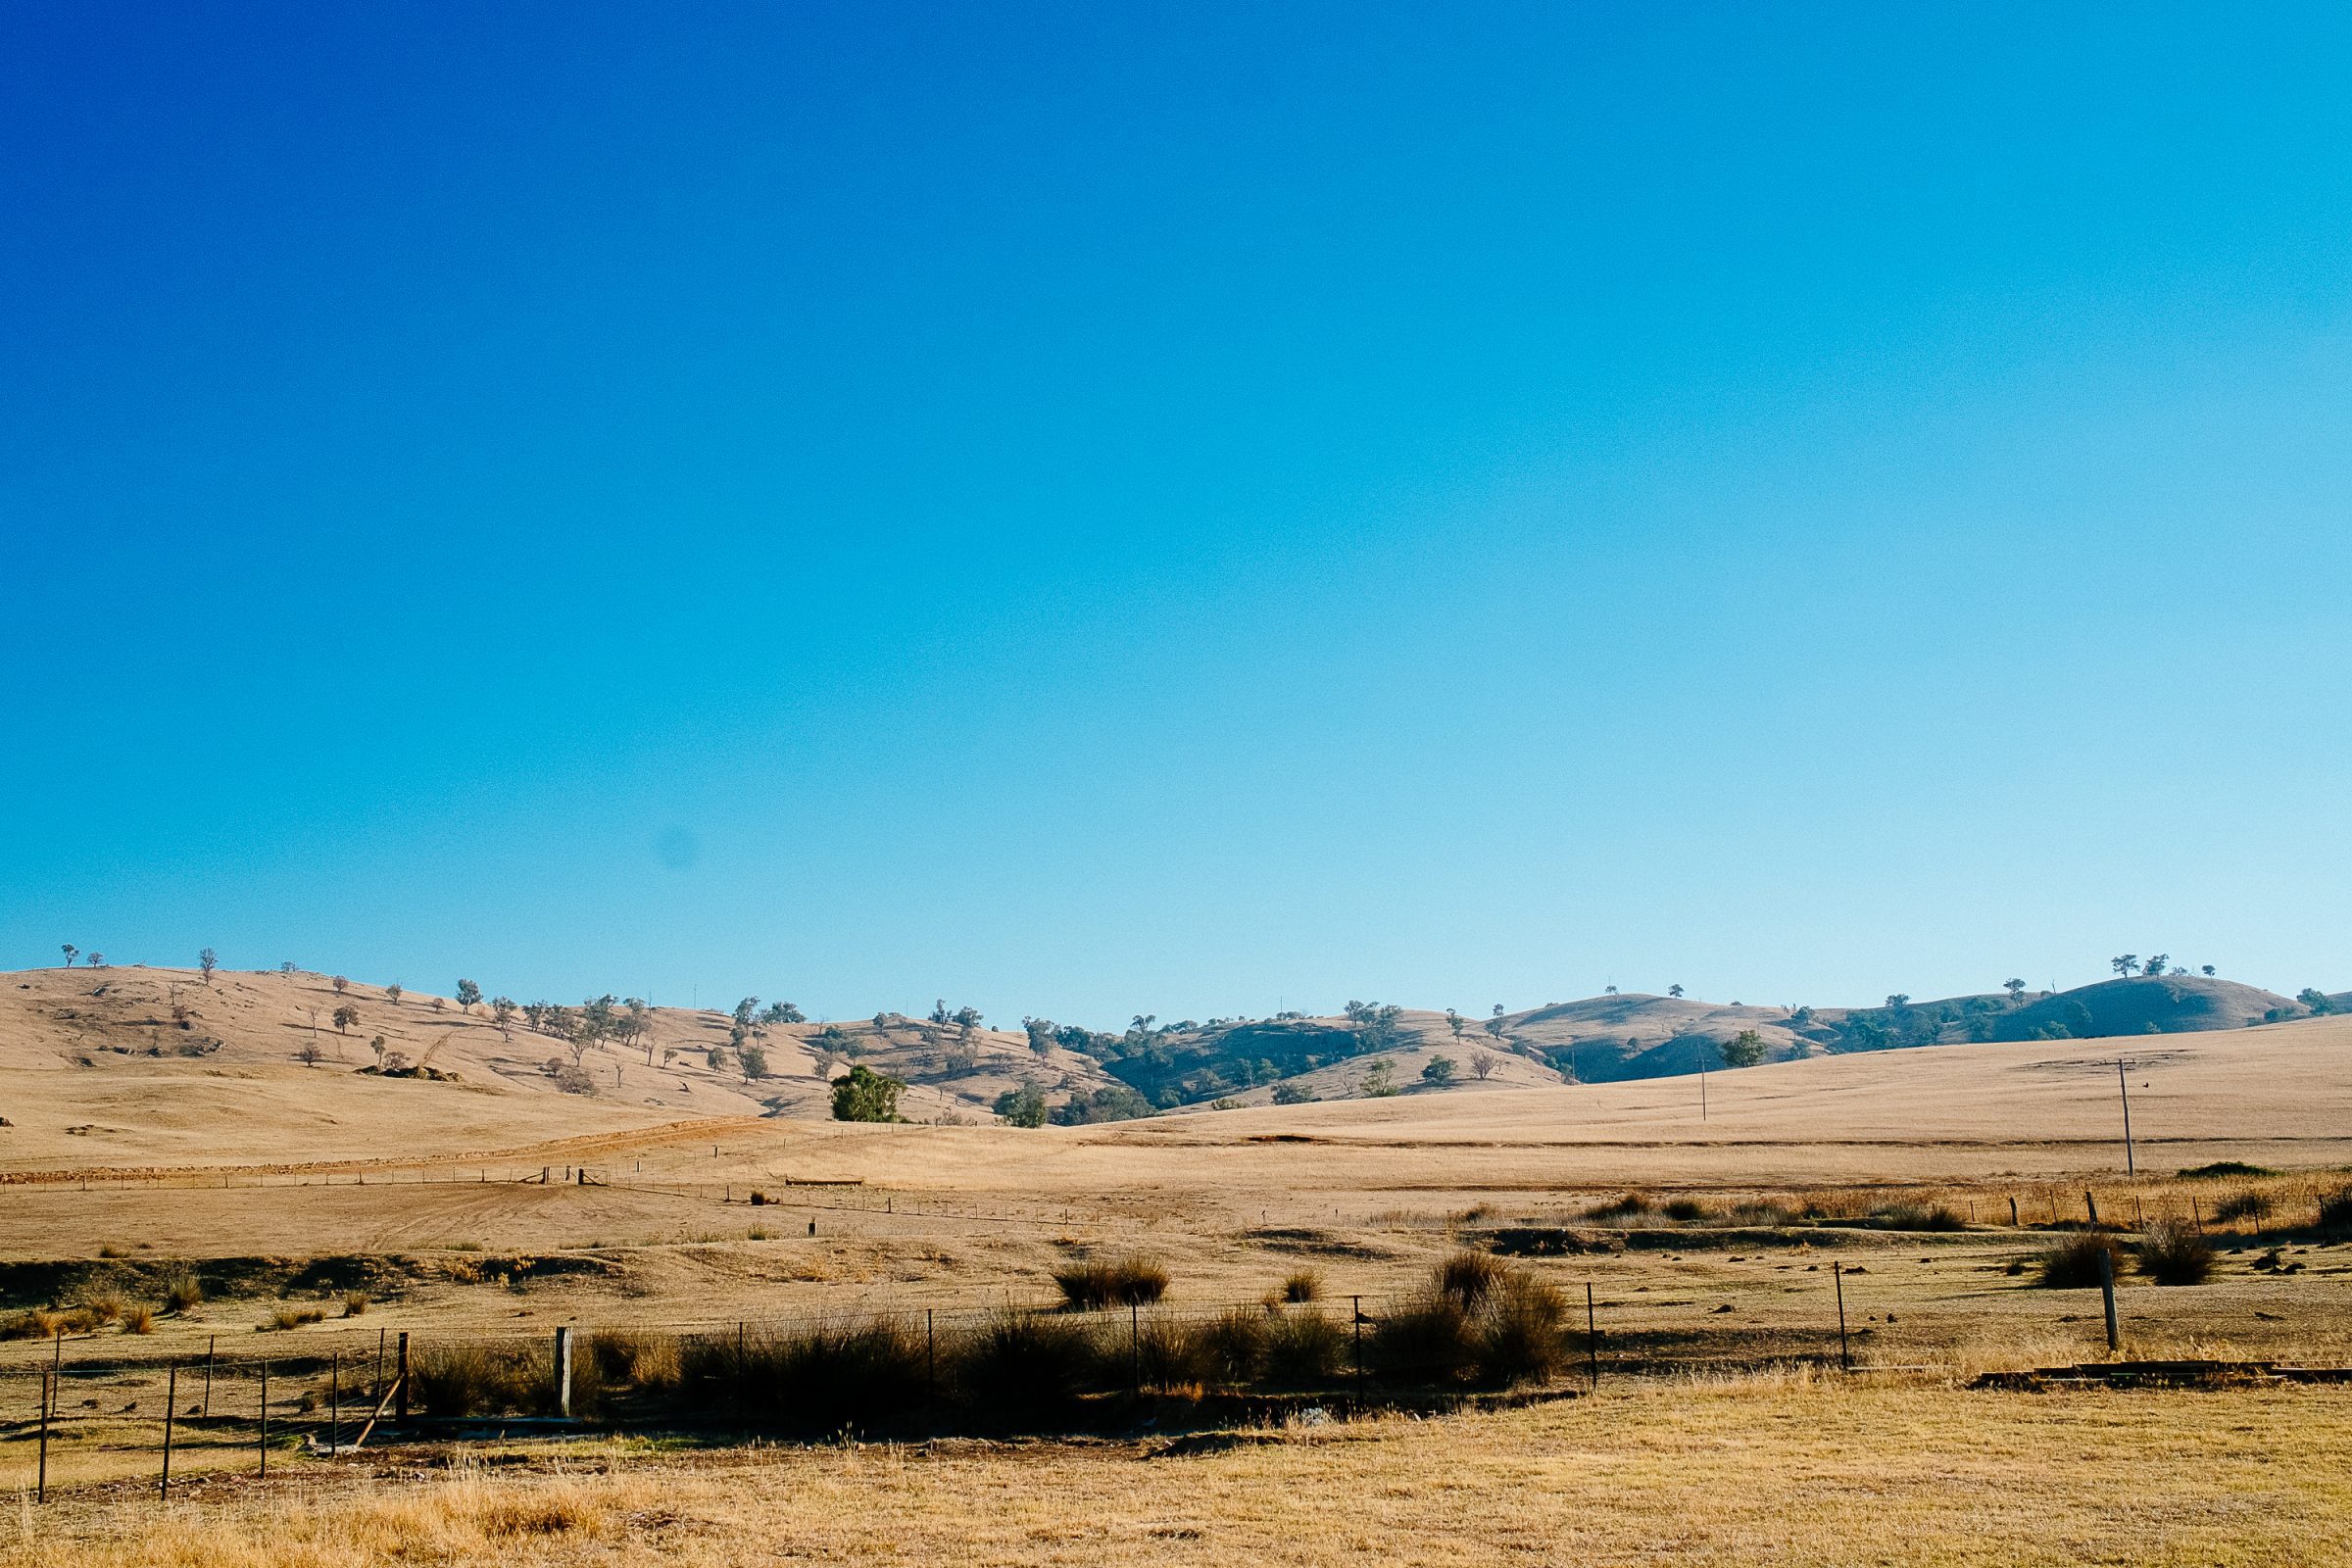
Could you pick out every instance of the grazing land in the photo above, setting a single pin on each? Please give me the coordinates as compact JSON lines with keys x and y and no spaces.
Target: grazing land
{"x":233,"y":1206}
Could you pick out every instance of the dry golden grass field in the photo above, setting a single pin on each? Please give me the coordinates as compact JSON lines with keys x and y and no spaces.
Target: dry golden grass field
{"x":495,"y":1206}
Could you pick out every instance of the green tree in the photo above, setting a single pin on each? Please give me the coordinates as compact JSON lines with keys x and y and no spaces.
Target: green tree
{"x":392,"y":993}
{"x":1024,"y":1107}
{"x":753,"y":1059}
{"x":1380,"y":1079}
{"x":2124,"y":963}
{"x":468,"y":994}
{"x":1745,"y":1050}
{"x":1674,"y":990}
{"x":865,"y":1094}
{"x":502,"y":1011}
{"x":70,"y":952}
{"x":1438,"y":1072}
{"x":783,"y":1012}
{"x":345,"y":1017}
{"x":1453,"y":1021}
{"x":1291,"y":1094}
{"x":2156,"y":964}
{"x":2017,"y":990}
{"x":207,"y":961}
{"x":2316,"y":1000}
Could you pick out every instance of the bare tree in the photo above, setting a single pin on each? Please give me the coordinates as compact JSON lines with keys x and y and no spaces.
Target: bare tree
{"x":502,"y":1013}
{"x":1483,"y":1062}
{"x":310,"y":1055}
{"x":341,"y":985}
{"x":96,"y":960}
{"x":205,"y":962}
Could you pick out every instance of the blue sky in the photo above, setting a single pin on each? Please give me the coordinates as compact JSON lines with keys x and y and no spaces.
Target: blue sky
{"x":1186,"y":510}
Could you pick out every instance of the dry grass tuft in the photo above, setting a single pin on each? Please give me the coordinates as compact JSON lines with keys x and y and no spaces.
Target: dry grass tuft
{"x":1094,"y":1284}
{"x":2171,"y":1253}
{"x":2072,"y":1265}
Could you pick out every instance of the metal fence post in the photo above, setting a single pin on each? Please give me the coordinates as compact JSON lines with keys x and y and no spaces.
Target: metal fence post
{"x":1845,"y":1356}
{"x":171,"y":1409}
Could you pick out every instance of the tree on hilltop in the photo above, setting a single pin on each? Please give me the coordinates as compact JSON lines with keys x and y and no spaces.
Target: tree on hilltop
{"x":468,"y":994}
{"x":2016,"y":990}
{"x":392,"y":993}
{"x":70,"y":952}
{"x":1674,"y":990}
{"x":205,"y":962}
{"x":2125,"y":964}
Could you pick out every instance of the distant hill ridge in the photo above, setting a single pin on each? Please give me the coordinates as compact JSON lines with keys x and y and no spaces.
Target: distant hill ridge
{"x":772,"y":1063}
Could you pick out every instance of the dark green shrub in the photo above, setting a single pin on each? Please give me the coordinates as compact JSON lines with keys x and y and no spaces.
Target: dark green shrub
{"x":2072,"y":1265}
{"x":1686,"y":1209}
{"x":2171,"y":1253}
{"x":1425,"y":1337}
{"x":2221,"y":1168}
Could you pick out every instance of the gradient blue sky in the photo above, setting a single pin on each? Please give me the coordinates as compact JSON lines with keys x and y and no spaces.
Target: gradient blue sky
{"x":1091,"y":510}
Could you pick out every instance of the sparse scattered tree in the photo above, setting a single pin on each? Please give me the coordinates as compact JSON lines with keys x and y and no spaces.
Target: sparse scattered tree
{"x":287,"y":968}
{"x":70,"y":952}
{"x":865,"y":1094}
{"x":345,"y":1017}
{"x":468,"y":994}
{"x":1041,"y":1033}
{"x":2017,"y":990}
{"x":783,"y":1012}
{"x":395,"y":1062}
{"x":1495,"y":1027}
{"x":1438,"y":1072}
{"x":2156,"y":966}
{"x":377,"y":1046}
{"x":1608,"y":991}
{"x":2124,"y":963}
{"x":2318,"y":1001}
{"x":1483,"y":1063}
{"x":754,"y":1060}
{"x":2206,"y":970}
{"x":205,"y":962}
{"x":310,"y":1055}
{"x":1674,"y":990}
{"x":1897,"y":1003}
{"x":1453,"y":1021}
{"x":341,"y":985}
{"x":392,"y":993}
{"x":744,"y":1010}
{"x":1024,"y":1107}
{"x":96,"y":960}
{"x":1380,"y":1079}
{"x":502,"y":1013}
{"x":1745,"y":1050}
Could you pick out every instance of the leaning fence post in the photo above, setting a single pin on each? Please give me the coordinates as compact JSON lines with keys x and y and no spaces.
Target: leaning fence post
{"x":564,"y":1373}
{"x":2013,"y":1211}
{"x":2107,"y":1297}
{"x":171,"y":1406}
{"x":2092,"y":1204}
{"x":1846,"y":1357}
{"x":211,"y":1344}
{"x":2196,"y":1214}
{"x":403,"y":1385}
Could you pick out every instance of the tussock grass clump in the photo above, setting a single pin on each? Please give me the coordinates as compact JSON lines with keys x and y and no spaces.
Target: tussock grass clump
{"x":1301,"y":1285}
{"x":1173,"y":1354}
{"x":2335,"y":1210}
{"x":2256,"y":1206}
{"x":1021,"y":1366}
{"x":484,"y":1379}
{"x":1919,"y":1217}
{"x":38,"y":1323}
{"x":1235,"y":1344}
{"x":1684,"y":1211}
{"x":1625,"y":1205}
{"x":2171,"y":1253}
{"x":138,"y":1318}
{"x":99,"y":1309}
{"x":1485,"y":1323}
{"x":2074,"y":1264}
{"x":288,"y":1316}
{"x":819,"y":1378}
{"x":1303,"y":1349}
{"x":354,"y":1304}
{"x":1098,"y":1282}
{"x":1469,"y":1277}
{"x":183,"y":1294}
{"x":624,"y":1356}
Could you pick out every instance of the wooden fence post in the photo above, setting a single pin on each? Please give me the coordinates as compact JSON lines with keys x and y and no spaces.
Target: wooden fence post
{"x":930,"y":1360}
{"x":335,"y":1401}
{"x":2107,"y":1297}
{"x":564,"y":1373}
{"x":1135,"y":1351}
{"x":404,"y":1375}
{"x":1592,"y":1342}
{"x":265,"y":1443}
{"x":2093,"y":1206}
{"x":1355,"y":1312}
{"x":1846,"y":1354}
{"x":211,"y":1344}
{"x":2013,"y":1211}
{"x":48,"y":1400}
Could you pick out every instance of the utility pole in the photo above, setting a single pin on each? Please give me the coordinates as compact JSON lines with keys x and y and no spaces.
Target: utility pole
{"x":2130,"y":1162}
